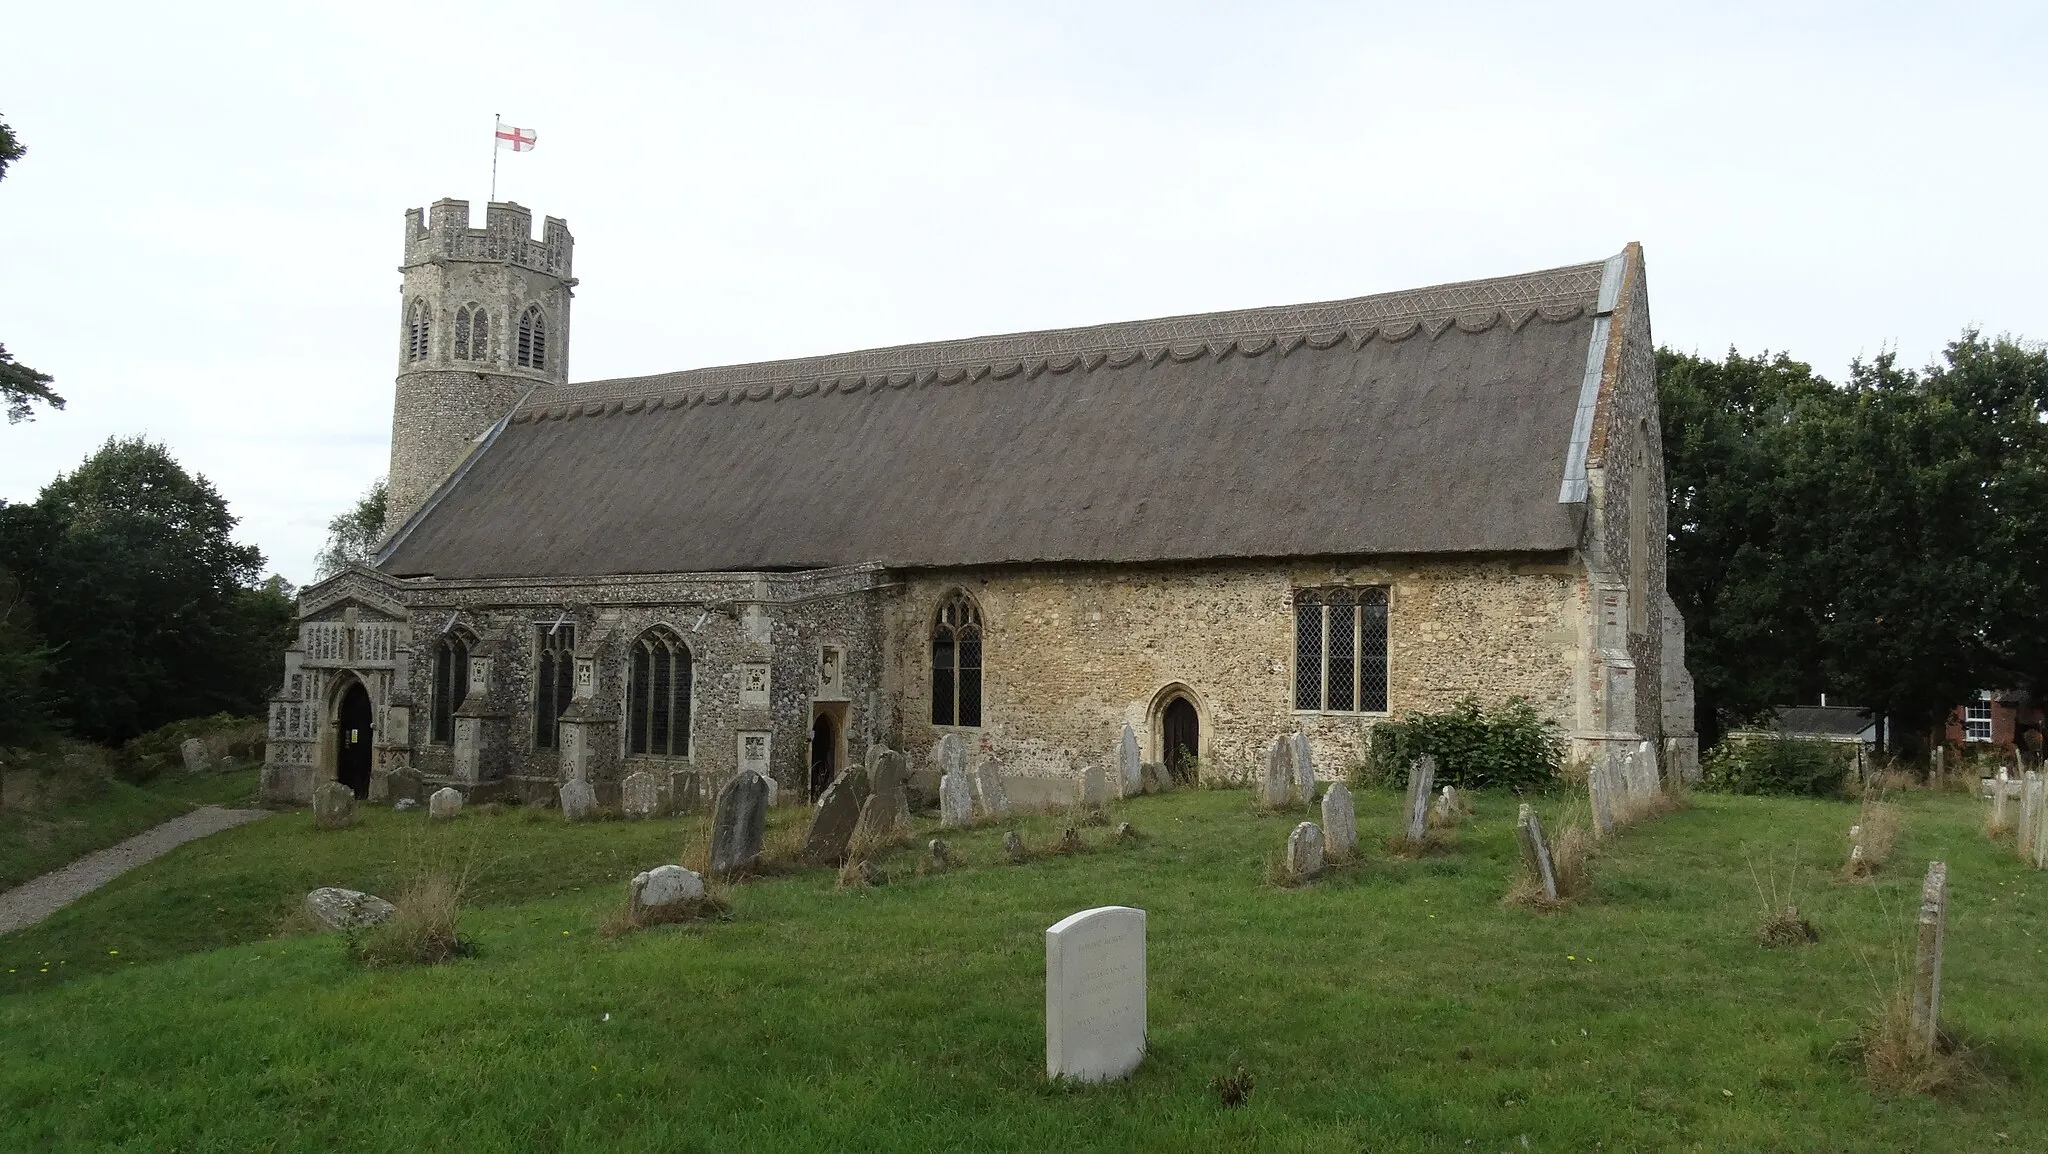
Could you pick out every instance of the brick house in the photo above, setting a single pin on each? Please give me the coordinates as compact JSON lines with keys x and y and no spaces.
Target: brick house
{"x":1997,"y":719}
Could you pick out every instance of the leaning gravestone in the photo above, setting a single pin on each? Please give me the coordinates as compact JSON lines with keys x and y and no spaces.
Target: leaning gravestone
{"x":1276,"y":789}
{"x":446,"y":803}
{"x":989,"y":796}
{"x":739,"y":820}
{"x":1926,"y":1009}
{"x":1095,"y":994}
{"x":579,"y":800}
{"x":193,"y":752}
{"x":877,"y":824}
{"x":338,"y":909}
{"x":663,"y":886}
{"x":1013,"y":846}
{"x":334,"y":806}
{"x":1304,"y":769}
{"x":886,"y":773}
{"x":640,"y":795}
{"x":833,"y":822}
{"x":1536,"y":850}
{"x":685,"y":791}
{"x":1340,"y":822}
{"x":956,"y":799}
{"x":1304,"y":852}
{"x":1420,"y":780}
{"x":1094,"y":791}
{"x":1130,"y":772}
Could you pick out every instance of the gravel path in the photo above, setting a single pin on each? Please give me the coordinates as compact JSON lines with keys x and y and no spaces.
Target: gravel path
{"x":32,"y":901}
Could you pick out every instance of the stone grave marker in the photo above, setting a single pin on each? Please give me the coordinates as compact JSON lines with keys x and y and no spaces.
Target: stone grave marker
{"x":685,"y":791}
{"x":1998,"y":800}
{"x":1130,"y":772}
{"x":1536,"y":850}
{"x":1600,"y":794}
{"x":739,"y":820}
{"x":640,"y":795}
{"x":1095,"y":994}
{"x":1926,"y":1008}
{"x":1094,"y":790}
{"x":663,"y":886}
{"x":334,"y":806}
{"x":956,"y":799}
{"x":193,"y":752}
{"x":1304,"y":852}
{"x":990,"y":799}
{"x":1421,"y":779}
{"x":446,"y":803}
{"x":338,"y":909}
{"x":578,"y":800}
{"x":889,"y":779}
{"x":1340,"y":822}
{"x":1304,"y":769}
{"x":1276,"y":789}
{"x":1013,"y":846}
{"x":405,"y":784}
{"x":942,"y":854}
{"x":1157,"y":779}
{"x":1446,"y":806}
{"x":951,"y":756}
{"x":835,"y":818}
{"x":2030,"y":811}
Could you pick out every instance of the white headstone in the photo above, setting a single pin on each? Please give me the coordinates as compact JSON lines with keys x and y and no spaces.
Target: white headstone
{"x":1276,"y":789}
{"x":950,"y":755}
{"x":1304,"y":852}
{"x":579,"y":800}
{"x":1304,"y":769}
{"x":640,"y":794}
{"x":1130,"y":772}
{"x":1340,"y":822}
{"x":1094,"y":791}
{"x":446,"y":803}
{"x":1447,"y":804}
{"x":1095,"y":994}
{"x":664,"y":885}
{"x":956,"y":800}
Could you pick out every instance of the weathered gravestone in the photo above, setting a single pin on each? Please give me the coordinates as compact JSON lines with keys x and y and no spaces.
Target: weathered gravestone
{"x":990,"y":799}
{"x":942,"y":854}
{"x":1415,"y":815}
{"x":1094,"y":791}
{"x":2030,"y":812}
{"x":1276,"y":788}
{"x":579,"y":800}
{"x":334,"y":806}
{"x":956,"y":799}
{"x":1536,"y":850}
{"x":663,"y":886}
{"x":774,"y":789}
{"x":640,"y":795}
{"x":338,"y":909}
{"x":1013,"y":846}
{"x":1304,"y":769}
{"x":1157,"y":779}
{"x":2035,"y":802}
{"x":1095,"y":994}
{"x":739,"y":820}
{"x":685,"y":791}
{"x":887,"y":774}
{"x":193,"y":752}
{"x":950,"y":755}
{"x":1998,"y":818}
{"x":1130,"y":772}
{"x":838,"y":813}
{"x":446,"y":803}
{"x":1446,"y":806}
{"x":1304,"y":852}
{"x":1601,"y":793}
{"x":1340,"y":822}
{"x":405,"y":784}
{"x":1926,"y":1008}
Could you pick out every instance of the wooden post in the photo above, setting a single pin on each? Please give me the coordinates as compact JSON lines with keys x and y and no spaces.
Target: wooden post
{"x":1535,"y":850}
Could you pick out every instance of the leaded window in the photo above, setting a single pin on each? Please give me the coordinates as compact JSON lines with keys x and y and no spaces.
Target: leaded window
{"x":554,"y":674}
{"x":533,"y":339}
{"x":417,"y":332}
{"x":956,"y":663}
{"x":658,"y":696}
{"x":451,"y":685}
{"x":472,"y":333}
{"x":1340,"y":649}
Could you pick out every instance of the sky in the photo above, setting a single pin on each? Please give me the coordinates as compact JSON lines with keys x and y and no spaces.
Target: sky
{"x":201,"y":245}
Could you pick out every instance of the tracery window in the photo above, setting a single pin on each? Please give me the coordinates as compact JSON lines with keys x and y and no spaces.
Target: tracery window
{"x":417,"y":332}
{"x":1340,"y":649}
{"x":451,"y":685}
{"x":956,"y":662}
{"x":533,"y":339}
{"x":658,"y":696}
{"x":554,"y":674}
{"x":472,"y":333}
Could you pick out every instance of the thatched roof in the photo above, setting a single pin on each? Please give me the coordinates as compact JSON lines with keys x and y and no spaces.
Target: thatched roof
{"x":1429,"y":421}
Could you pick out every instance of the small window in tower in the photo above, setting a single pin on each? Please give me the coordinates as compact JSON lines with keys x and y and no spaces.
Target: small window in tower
{"x":416,"y":332}
{"x":462,"y":333}
{"x":533,"y":339}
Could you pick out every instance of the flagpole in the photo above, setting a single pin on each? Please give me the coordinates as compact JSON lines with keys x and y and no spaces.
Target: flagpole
{"x":495,"y":117}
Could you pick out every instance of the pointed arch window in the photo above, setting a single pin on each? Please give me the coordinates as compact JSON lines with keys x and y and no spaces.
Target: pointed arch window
{"x":418,"y":331}
{"x":533,"y":339}
{"x":451,"y":686}
{"x":956,"y":662}
{"x":658,"y":696}
{"x":472,"y":333}
{"x":553,"y":680}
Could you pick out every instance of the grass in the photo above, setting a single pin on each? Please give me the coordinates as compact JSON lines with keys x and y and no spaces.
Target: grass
{"x":1397,"y":1005}
{"x":35,"y":842}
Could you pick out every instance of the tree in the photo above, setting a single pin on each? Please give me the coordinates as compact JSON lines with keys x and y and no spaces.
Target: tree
{"x":353,"y":536}
{"x":25,"y":706}
{"x":20,"y":386}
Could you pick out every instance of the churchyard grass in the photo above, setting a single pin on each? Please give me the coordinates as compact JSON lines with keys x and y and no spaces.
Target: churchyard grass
{"x":34,"y":842}
{"x":1397,"y":1005}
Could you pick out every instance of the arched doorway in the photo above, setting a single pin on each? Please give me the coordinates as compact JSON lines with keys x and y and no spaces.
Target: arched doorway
{"x":1180,"y":738}
{"x":352,"y":720}
{"x":824,"y":754}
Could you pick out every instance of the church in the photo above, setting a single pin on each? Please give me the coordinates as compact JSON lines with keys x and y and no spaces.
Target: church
{"x":1216,"y":529}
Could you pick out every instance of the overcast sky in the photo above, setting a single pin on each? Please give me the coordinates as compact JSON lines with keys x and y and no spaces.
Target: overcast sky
{"x":201,"y":245}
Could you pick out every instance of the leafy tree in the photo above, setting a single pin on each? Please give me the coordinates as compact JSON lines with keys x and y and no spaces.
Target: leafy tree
{"x":20,"y":386}
{"x":353,"y":536}
{"x":25,"y":706}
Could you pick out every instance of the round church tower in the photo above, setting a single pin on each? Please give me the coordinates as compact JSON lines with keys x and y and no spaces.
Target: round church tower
{"x":483,"y":318}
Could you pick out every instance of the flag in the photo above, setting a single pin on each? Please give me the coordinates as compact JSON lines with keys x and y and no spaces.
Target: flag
{"x":516,"y":139}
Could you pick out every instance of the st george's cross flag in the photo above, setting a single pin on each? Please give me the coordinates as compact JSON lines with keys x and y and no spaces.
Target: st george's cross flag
{"x":516,"y":139}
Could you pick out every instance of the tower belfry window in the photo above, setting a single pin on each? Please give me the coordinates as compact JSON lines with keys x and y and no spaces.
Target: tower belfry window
{"x":472,"y":333}
{"x":416,"y":332}
{"x":533,"y":339}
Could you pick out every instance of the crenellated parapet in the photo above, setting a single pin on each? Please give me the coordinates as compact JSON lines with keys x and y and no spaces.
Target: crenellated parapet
{"x":442,"y":233}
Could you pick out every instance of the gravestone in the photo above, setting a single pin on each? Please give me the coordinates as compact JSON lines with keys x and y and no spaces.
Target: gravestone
{"x":640,"y":795}
{"x":446,"y":803}
{"x":1940,"y":763}
{"x":1446,"y":810}
{"x":1304,"y":769}
{"x":334,"y":806}
{"x":1095,"y":994}
{"x":942,"y":854}
{"x":1130,"y":772}
{"x":663,"y":886}
{"x":1094,"y":791}
{"x":1013,"y":846}
{"x":774,"y":789}
{"x":1340,"y":822}
{"x":739,"y":820}
{"x":1536,"y":850}
{"x":578,"y":800}
{"x":950,"y":754}
{"x":1600,"y":797}
{"x":887,"y":771}
{"x":1157,"y":779}
{"x":833,"y":822}
{"x":1421,"y":779}
{"x":956,"y":799}
{"x":2030,"y":811}
{"x":989,"y":796}
{"x":405,"y":784}
{"x":1304,"y":852}
{"x":1276,"y":789}
{"x":1998,"y":800}
{"x":338,"y":909}
{"x":403,"y":804}
{"x":1070,"y":840}
{"x":1926,"y":1010}
{"x":877,"y":825}
{"x":193,"y":752}
{"x":685,"y":791}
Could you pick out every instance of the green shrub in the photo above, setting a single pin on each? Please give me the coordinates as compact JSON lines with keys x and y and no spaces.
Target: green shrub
{"x":1778,"y":765}
{"x":1509,"y":745}
{"x":157,"y":751}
